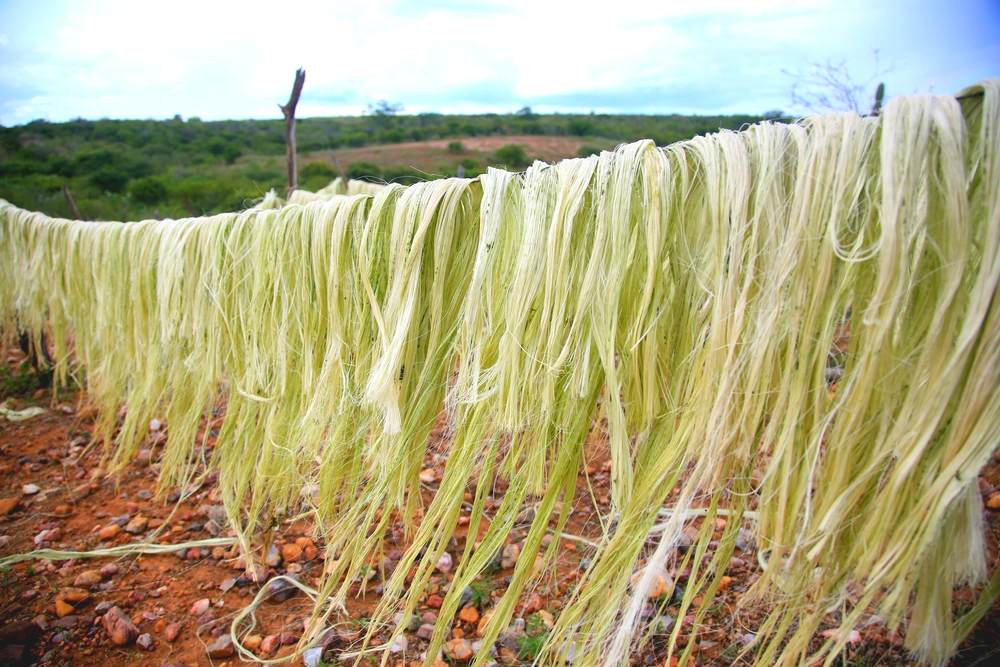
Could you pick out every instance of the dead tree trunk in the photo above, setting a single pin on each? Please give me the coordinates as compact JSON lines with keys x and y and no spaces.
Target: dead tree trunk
{"x":288,"y":110}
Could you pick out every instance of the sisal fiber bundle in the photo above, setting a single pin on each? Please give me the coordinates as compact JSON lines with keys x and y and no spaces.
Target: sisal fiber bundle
{"x":688,"y":303}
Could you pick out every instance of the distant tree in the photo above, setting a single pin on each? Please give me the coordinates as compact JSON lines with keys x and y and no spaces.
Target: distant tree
{"x":773,"y":114}
{"x":525,"y":112}
{"x":384,"y":108}
{"x":580,"y":127}
{"x":231,"y":153}
{"x":455,"y":147}
{"x":831,"y":86}
{"x":587,"y":151}
{"x":318,"y":170}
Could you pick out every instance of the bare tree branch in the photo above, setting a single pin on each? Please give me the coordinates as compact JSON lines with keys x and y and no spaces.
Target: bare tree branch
{"x":830,"y":86}
{"x":288,"y":111}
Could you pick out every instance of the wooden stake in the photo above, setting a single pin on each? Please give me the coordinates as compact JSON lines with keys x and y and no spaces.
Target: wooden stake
{"x":71,"y":203}
{"x":288,"y":110}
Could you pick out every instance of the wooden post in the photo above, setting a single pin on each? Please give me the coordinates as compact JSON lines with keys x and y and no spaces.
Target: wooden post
{"x":288,"y":110}
{"x":71,"y":203}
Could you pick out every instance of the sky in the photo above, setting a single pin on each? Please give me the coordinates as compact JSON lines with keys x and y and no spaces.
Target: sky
{"x":217,"y":60}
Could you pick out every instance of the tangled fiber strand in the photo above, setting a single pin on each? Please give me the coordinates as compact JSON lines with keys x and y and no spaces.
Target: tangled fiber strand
{"x":689,"y":295}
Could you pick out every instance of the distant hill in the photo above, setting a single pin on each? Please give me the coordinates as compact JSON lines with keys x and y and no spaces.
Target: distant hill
{"x":129,"y":169}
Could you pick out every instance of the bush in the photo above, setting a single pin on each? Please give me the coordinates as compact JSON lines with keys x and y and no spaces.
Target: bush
{"x":587,"y":151}
{"x":231,"y":153}
{"x":512,"y":156}
{"x":110,"y":179}
{"x":403,"y":175}
{"x":456,"y":147}
{"x":148,"y":190}
{"x":318,"y":170}
{"x":364,"y":171}
{"x":580,"y":127}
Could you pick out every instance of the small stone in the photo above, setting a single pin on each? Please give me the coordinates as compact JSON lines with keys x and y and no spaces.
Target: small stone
{"x":993,"y":501}
{"x":119,"y":627}
{"x":108,"y":532}
{"x":63,"y":608}
{"x":428,"y":475}
{"x":46,"y":536}
{"x":725,"y":583}
{"x":109,"y":570}
{"x":200,"y":607}
{"x":66,"y":622}
{"x":74,"y":595}
{"x":291,"y":553}
{"x":744,"y":539}
{"x":144,"y":641}
{"x":313,"y":657}
{"x":509,"y":556}
{"x":458,"y":649}
{"x":444,"y":563}
{"x":434,"y":601}
{"x":534,"y":603}
{"x":429,"y":617}
{"x":171,"y":632}
{"x":222,"y":647}
{"x":30,"y":489}
{"x":252,"y":642}
{"x":548,"y":620}
{"x":398,"y":645}
{"x":469,"y":614}
{"x":227,"y":584}
{"x":88,"y":578}
{"x":155,"y":425}
{"x":273,"y":556}
{"x":270,"y":644}
{"x":136,"y":525}
{"x":425,"y":631}
{"x":7,"y":505}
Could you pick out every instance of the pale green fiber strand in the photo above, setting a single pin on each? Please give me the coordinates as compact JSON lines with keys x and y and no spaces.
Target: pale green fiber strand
{"x":685,"y":299}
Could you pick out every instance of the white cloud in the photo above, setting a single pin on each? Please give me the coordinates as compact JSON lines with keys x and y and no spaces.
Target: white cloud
{"x":230,"y":60}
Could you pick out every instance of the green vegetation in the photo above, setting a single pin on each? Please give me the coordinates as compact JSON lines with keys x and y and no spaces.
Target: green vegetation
{"x":130,"y":169}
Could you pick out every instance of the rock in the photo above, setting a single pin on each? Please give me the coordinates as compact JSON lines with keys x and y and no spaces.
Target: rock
{"x":399,"y":644}
{"x":548,"y":620}
{"x":312,"y":657}
{"x":63,"y":608}
{"x":252,"y":642}
{"x":291,"y":553}
{"x":171,"y":632}
{"x":744,"y":539}
{"x":74,"y":595}
{"x":7,"y":505}
{"x":663,"y":624}
{"x":200,"y":607}
{"x":50,"y":535}
{"x":273,"y":556}
{"x":222,"y":647}
{"x":108,"y":532}
{"x":136,"y":525}
{"x":30,"y":489}
{"x":509,"y":556}
{"x":119,"y":627}
{"x":993,"y":501}
{"x":425,"y":631}
{"x":725,"y":583}
{"x":458,"y":649}
{"x":434,"y":601}
{"x":88,"y":578}
{"x":428,"y":476}
{"x":270,"y":644}
{"x":227,"y":584}
{"x":66,"y":622}
{"x":444,"y":563}
{"x":109,"y":570}
{"x":144,"y":641}
{"x":469,"y":614}
{"x":534,"y":603}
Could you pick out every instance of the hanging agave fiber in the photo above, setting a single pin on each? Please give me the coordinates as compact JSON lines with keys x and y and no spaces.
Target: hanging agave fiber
{"x":689,"y":295}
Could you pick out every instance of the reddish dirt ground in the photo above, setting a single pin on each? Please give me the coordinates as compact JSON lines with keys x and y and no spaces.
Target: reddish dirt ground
{"x":44,"y":621}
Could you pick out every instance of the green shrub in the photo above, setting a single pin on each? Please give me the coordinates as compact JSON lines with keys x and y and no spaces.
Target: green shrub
{"x":231,"y":153}
{"x":456,"y":147}
{"x":318,"y":170}
{"x":365,"y":171}
{"x":110,"y":179}
{"x":512,"y":156}
{"x":587,"y":151}
{"x":148,"y":190}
